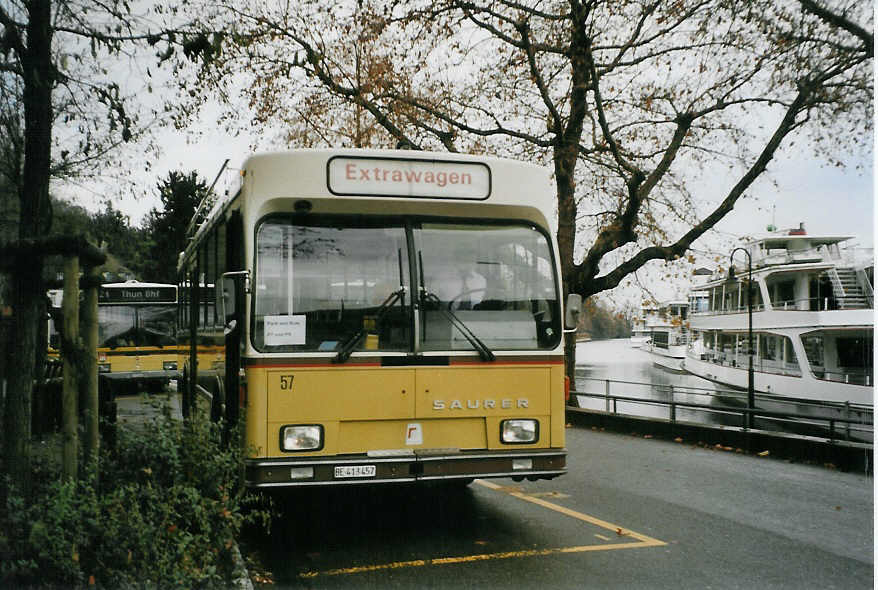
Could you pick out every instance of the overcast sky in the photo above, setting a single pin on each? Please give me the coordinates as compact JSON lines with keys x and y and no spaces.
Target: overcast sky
{"x":827,"y":199}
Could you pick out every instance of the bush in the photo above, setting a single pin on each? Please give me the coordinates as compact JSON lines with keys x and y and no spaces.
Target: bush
{"x":163,"y":511}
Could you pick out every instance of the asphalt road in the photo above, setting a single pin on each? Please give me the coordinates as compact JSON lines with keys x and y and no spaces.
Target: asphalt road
{"x":631,"y":513}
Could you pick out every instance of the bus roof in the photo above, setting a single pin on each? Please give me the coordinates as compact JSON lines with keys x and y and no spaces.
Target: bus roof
{"x":397,"y":175}
{"x":135,"y":285}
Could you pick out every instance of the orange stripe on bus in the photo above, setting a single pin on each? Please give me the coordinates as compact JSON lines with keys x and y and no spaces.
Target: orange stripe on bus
{"x":360,"y":365}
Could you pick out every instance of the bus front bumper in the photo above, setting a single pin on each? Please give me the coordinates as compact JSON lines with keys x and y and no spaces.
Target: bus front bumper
{"x":140,"y":375}
{"x":405,"y":466}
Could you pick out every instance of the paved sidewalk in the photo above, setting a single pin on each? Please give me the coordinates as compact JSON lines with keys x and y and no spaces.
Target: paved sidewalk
{"x":140,"y":408}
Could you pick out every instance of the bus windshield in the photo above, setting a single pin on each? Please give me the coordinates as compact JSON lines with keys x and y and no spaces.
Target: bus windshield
{"x":322,"y":283}
{"x":136,"y":325}
{"x":497,"y":279}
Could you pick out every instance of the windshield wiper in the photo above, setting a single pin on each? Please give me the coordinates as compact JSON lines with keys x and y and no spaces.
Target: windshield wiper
{"x":485,"y":353}
{"x":348,"y":346}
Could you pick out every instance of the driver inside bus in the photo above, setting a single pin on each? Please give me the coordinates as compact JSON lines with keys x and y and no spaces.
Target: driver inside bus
{"x":459,"y":286}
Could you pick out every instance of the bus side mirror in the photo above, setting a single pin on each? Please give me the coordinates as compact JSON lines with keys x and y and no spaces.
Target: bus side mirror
{"x":226,"y":291}
{"x":225,"y":295}
{"x":572,"y":309}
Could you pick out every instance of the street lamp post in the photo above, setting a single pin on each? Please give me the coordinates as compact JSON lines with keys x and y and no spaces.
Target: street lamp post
{"x":751,"y":401}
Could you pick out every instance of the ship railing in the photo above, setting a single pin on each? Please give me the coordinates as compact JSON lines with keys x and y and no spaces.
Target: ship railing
{"x":831,"y":254}
{"x":811,"y":304}
{"x":680,"y":338}
{"x":865,"y":285}
{"x":855,"y":377}
{"x":838,"y":421}
{"x":760,"y":365}
{"x":837,"y":285}
{"x":775,"y":367}
{"x":728,"y":310}
{"x":817,"y":254}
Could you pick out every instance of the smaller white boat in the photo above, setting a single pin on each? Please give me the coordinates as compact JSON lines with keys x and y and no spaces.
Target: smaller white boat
{"x":640,"y":326}
{"x":668,"y":335}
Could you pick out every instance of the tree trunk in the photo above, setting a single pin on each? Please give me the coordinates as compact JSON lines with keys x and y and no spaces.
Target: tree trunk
{"x":17,"y":415}
{"x":89,"y":368}
{"x":71,"y":353}
{"x":565,"y":162}
{"x":34,"y":221}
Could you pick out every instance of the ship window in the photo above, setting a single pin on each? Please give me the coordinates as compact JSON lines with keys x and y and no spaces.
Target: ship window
{"x":844,"y":357}
{"x":813,"y":344}
{"x":756,"y":296}
{"x":768,"y":347}
{"x":855,"y":352}
{"x":730,"y":302}
{"x":726,"y":348}
{"x":777,"y":356}
{"x":791,"y":363}
{"x":660,"y":339}
{"x":821,"y":294}
{"x":783,"y":293}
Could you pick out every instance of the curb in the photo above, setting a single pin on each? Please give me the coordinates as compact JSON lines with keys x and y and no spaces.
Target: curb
{"x":241,"y":580}
{"x":843,"y":455}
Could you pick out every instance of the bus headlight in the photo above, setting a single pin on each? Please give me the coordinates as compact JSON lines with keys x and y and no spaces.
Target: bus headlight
{"x":103,"y":367}
{"x":169,"y":365}
{"x":302,"y":437}
{"x":519,"y":431}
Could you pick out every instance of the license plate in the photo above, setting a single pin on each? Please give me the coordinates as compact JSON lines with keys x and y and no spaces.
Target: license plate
{"x":355,"y":471}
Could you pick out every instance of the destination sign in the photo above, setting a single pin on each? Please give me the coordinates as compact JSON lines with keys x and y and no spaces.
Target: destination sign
{"x":137,"y":295}
{"x":390,"y":177}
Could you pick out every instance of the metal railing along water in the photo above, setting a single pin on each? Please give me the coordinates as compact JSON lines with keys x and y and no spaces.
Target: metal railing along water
{"x":839,"y":422}
{"x":805,"y":304}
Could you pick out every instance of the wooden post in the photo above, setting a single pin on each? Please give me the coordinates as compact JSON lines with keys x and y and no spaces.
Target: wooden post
{"x":69,"y":352}
{"x":190,"y":405}
{"x":90,"y":363}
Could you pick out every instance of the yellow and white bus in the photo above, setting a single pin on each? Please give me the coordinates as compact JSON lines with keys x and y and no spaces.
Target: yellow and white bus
{"x":137,"y":344}
{"x":385,"y":316}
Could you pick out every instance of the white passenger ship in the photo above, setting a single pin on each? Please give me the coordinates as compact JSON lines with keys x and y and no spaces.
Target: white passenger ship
{"x":812,"y":321}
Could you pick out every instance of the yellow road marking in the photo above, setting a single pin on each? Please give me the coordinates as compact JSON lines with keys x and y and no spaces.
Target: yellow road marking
{"x":557,"y":495}
{"x":622,"y":532}
{"x":366,"y":568}
{"x":641,"y":541}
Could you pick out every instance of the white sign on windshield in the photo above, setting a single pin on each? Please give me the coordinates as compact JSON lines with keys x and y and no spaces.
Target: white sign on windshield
{"x":284,"y":329}
{"x":384,"y":177}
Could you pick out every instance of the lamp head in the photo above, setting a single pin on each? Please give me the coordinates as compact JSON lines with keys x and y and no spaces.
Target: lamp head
{"x":731,"y":279}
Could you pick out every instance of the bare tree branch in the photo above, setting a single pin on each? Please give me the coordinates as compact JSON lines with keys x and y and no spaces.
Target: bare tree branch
{"x":841,"y":22}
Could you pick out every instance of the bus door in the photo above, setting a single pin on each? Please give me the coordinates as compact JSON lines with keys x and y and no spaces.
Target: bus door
{"x":233,"y":319}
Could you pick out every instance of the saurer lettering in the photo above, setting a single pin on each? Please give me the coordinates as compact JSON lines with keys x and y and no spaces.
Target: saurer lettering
{"x":475,"y":404}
